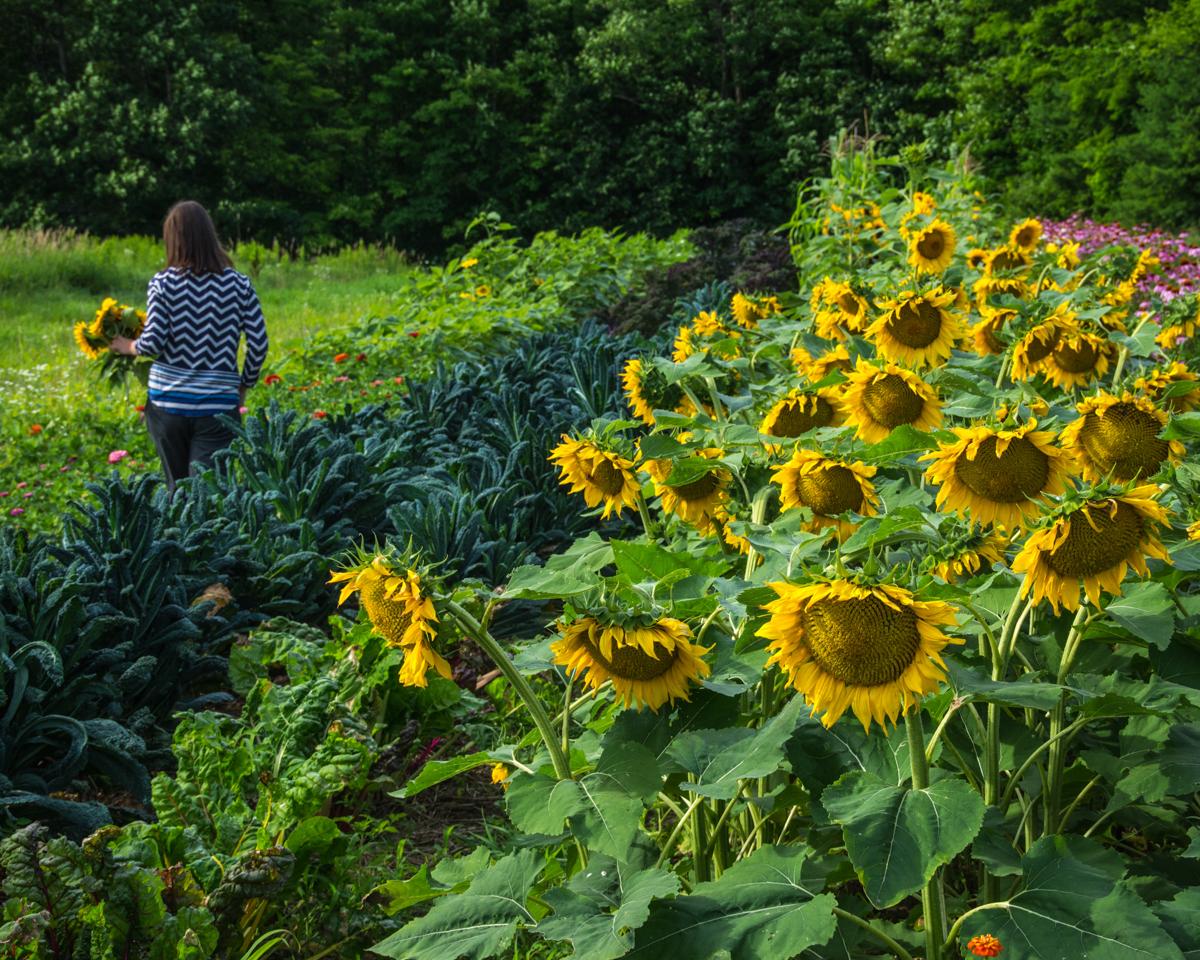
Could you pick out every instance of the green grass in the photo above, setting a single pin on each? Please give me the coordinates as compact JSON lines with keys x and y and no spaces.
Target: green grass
{"x":48,"y":281}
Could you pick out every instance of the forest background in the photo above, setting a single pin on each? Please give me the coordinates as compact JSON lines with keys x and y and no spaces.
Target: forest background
{"x":315,"y":123}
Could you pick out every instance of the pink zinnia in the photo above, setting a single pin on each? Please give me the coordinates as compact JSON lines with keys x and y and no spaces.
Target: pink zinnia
{"x":22,"y":485}
{"x":15,"y":512}
{"x":116,"y":456}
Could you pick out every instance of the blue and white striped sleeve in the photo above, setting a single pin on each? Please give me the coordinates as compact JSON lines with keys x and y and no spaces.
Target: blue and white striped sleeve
{"x":154,"y":332}
{"x":255,"y":329}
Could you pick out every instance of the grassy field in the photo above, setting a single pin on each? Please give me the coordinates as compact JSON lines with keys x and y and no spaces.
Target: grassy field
{"x":48,"y":281}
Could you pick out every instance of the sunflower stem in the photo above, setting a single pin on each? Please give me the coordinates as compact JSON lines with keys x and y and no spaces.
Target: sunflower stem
{"x":718,"y":410}
{"x":648,"y":525}
{"x":878,"y":934}
{"x":1003,"y":371}
{"x":475,"y":631}
{"x":932,"y":900}
{"x":758,"y":513}
{"x":1057,"y":740}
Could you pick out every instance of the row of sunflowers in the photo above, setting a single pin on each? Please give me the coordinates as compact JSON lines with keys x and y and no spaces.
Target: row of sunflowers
{"x":944,"y":485}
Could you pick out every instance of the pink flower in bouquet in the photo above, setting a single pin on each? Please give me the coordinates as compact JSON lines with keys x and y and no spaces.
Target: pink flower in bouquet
{"x":243,"y":410}
{"x":116,"y":456}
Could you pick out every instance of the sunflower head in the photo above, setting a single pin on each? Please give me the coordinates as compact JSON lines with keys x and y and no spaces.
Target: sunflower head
{"x":985,"y":334}
{"x":748,"y":311}
{"x":1025,"y":235}
{"x":83,"y":340}
{"x":828,"y":487}
{"x":965,"y":556}
{"x":996,"y":476}
{"x":602,"y":475}
{"x":799,"y":412}
{"x":685,"y":344}
{"x":816,"y":369}
{"x":397,"y":598}
{"x":1173,"y":386}
{"x":1030,"y":351}
{"x":647,"y":390}
{"x":650,"y":660}
{"x":690,"y":488}
{"x":919,"y":329}
{"x":1077,"y":359}
{"x":880,"y":397}
{"x":1118,"y":437}
{"x":873,"y":649}
{"x":1090,"y":542}
{"x":931,"y":248}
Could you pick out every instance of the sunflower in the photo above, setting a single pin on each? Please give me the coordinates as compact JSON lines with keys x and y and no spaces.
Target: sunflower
{"x":818,"y":368}
{"x":1118,"y":437}
{"x":649,"y":664}
{"x":80,"y":330}
{"x":828,"y":487}
{"x":1077,"y":359}
{"x":968,"y":558}
{"x":879,"y":398}
{"x":1193,"y":531}
{"x":1091,"y":544}
{"x":931,"y":249}
{"x":1185,"y":329}
{"x":838,"y":310}
{"x":600,"y":475}
{"x":985,"y":333}
{"x":707,"y":324}
{"x":977,"y":258}
{"x":1067,"y":254}
{"x":1163,"y":379}
{"x":723,"y":517}
{"x":875,"y":650}
{"x":684,"y":345}
{"x":695,"y":501}
{"x":991,"y":476}
{"x":799,"y":412}
{"x":1025,"y":235}
{"x":747,"y":312}
{"x":917,"y":328}
{"x":647,"y":390}
{"x":1031,"y":351}
{"x":400,"y":611}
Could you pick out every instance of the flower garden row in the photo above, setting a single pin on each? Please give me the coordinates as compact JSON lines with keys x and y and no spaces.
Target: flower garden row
{"x":946,"y":486}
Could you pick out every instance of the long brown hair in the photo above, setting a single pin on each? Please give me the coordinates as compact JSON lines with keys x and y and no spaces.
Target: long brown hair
{"x":191,"y":240}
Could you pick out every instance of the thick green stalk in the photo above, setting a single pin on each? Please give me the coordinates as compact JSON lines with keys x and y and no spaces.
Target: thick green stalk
{"x":879,"y":935}
{"x":472,"y":628}
{"x":647,"y":524}
{"x":1058,"y":743}
{"x":932,"y":900}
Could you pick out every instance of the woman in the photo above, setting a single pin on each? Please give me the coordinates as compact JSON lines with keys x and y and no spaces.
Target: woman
{"x":197,"y":310}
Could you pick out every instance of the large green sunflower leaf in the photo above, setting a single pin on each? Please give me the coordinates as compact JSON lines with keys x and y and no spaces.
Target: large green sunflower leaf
{"x":1072,"y":904}
{"x":1147,"y":611}
{"x":478,"y":923}
{"x":897,"y":836}
{"x":611,"y":799}
{"x":766,"y":907}
{"x":602,"y":906}
{"x":721,"y":759}
{"x":541,"y":805}
{"x":1181,"y":919}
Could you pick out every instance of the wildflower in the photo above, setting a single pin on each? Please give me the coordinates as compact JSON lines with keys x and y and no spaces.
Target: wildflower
{"x":414,"y":333}
{"x":271,"y":379}
{"x":319,"y":414}
{"x":35,"y":429}
{"x":22,"y":485}
{"x":116,"y":456}
{"x":15,"y":512}
{"x":500,"y":774}
{"x":467,"y":264}
{"x":341,"y":379}
{"x":985,"y":945}
{"x":341,"y":357}
{"x":243,"y":410}
{"x":483,"y":290}
{"x":360,"y":358}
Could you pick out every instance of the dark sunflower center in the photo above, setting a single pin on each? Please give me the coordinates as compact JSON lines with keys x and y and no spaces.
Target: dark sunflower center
{"x":891,"y":401}
{"x":988,"y":334}
{"x":1092,"y":548}
{"x":1016,"y":475}
{"x":1026,"y":237}
{"x":861,"y":642}
{"x":800,"y":416}
{"x":849,"y":304}
{"x":608,"y":478}
{"x":1040,"y":344}
{"x":699,"y":489}
{"x":932,"y":245}
{"x":916,"y":324}
{"x":830,"y":491}
{"x":387,"y":616}
{"x":633,"y":663}
{"x":1007,"y":261}
{"x":1076,"y":359}
{"x":1124,"y":442}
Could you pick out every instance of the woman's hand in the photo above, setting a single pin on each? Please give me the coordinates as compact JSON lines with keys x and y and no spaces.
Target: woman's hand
{"x":123,"y":345}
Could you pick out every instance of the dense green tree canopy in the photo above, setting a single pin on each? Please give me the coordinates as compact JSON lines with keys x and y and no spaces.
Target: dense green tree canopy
{"x":322,"y":121}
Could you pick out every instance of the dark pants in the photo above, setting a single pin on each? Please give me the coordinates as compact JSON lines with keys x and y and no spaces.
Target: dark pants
{"x":185,"y":445}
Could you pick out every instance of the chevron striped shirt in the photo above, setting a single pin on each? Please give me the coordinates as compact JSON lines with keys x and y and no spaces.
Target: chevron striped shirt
{"x":194,"y":323}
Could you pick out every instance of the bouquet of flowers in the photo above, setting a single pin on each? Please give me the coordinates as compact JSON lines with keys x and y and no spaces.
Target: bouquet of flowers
{"x":95,"y":339}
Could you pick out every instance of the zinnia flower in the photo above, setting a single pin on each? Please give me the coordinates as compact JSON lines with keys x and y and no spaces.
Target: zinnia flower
{"x":116,"y":456}
{"x":341,"y":357}
{"x":985,"y":945}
